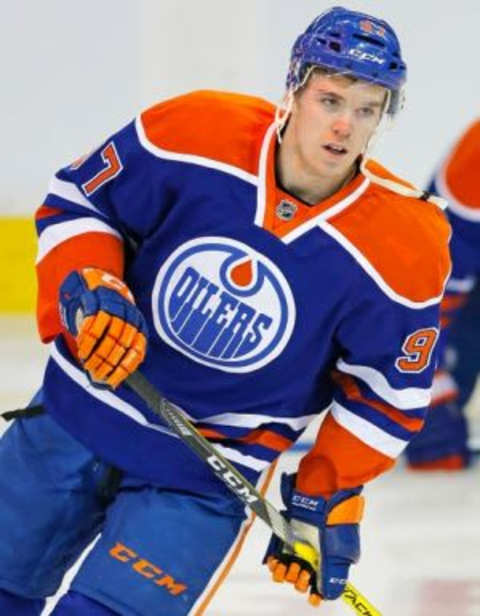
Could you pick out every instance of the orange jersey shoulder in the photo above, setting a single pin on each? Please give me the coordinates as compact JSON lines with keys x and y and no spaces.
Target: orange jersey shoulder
{"x":404,"y":239}
{"x":460,"y":170}
{"x":220,"y":126}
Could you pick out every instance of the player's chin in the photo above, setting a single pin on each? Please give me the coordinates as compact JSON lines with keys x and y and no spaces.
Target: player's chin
{"x":338,"y":167}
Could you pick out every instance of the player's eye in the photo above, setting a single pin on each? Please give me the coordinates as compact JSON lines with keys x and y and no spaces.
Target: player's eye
{"x":330,"y":102}
{"x":366,"y":112}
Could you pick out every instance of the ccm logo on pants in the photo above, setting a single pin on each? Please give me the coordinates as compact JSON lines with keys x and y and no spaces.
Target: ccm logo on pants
{"x":146,"y":569}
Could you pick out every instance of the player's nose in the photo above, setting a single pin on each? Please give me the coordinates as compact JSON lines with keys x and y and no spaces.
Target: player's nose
{"x":342,"y":125}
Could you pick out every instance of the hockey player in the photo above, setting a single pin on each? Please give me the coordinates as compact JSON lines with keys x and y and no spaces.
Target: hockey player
{"x":442,"y":444}
{"x":264,"y":269}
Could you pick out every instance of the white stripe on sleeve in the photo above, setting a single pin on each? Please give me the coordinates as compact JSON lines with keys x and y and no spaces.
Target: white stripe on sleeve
{"x":235,"y":456}
{"x":70,"y":192}
{"x":407,"y":398}
{"x":367,"y":432}
{"x":461,"y":285}
{"x":55,"y":234}
{"x":244,"y":420}
{"x":443,"y":386}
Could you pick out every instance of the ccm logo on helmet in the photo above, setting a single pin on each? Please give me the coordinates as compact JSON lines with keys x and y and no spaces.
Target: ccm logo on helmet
{"x":363,"y":55}
{"x":223,"y":304}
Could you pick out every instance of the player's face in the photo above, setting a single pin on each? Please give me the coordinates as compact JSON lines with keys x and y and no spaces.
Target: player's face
{"x":333,"y":117}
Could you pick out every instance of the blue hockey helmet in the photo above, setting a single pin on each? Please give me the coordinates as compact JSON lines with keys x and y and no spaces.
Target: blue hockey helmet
{"x":353,"y":43}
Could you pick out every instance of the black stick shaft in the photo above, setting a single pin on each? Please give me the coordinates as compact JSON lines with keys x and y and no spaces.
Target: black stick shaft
{"x":174,"y":418}
{"x":223,"y":469}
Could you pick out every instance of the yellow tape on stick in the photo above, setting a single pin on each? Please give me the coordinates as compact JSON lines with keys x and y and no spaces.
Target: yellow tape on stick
{"x":358,"y":602}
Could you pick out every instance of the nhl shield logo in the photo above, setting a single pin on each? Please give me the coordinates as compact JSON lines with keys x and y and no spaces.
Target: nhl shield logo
{"x":223,"y":304}
{"x":286,"y":210}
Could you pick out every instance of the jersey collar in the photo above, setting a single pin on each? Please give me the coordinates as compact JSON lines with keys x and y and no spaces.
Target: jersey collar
{"x":270,"y":195}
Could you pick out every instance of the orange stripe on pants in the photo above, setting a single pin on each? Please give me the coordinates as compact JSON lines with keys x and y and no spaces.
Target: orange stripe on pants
{"x":236,"y":549}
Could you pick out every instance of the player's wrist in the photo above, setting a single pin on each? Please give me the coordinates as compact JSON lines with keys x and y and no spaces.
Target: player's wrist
{"x":343,"y":506}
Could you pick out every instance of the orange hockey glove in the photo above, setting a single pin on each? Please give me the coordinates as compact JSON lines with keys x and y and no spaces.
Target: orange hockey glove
{"x":111,"y":334}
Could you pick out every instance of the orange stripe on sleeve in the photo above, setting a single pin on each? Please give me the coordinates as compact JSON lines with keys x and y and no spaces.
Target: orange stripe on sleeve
{"x":351,"y":389}
{"x":267,"y":438}
{"x":453,"y":302}
{"x":337,"y":461}
{"x":89,"y":250}
{"x":450,"y":463}
{"x":213,"y":434}
{"x":445,"y":321}
{"x":45,"y":211}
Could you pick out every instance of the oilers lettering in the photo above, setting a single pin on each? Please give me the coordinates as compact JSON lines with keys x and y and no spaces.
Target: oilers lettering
{"x":223,"y":304}
{"x":212,"y":321}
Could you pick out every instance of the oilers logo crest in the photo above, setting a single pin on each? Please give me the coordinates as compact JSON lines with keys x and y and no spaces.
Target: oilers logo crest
{"x":223,"y":304}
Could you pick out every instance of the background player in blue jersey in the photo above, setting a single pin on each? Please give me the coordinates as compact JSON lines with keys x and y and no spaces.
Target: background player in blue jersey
{"x":443,"y":443}
{"x":262,"y":269}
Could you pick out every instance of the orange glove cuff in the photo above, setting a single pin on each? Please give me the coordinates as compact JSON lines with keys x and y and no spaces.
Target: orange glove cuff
{"x":349,"y":511}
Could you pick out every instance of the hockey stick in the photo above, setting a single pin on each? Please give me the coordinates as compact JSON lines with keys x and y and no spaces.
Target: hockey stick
{"x":231,"y":477}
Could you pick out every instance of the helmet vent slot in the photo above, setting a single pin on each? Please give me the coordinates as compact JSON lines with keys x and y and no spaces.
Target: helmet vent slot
{"x":368,"y":39}
{"x":335,"y":46}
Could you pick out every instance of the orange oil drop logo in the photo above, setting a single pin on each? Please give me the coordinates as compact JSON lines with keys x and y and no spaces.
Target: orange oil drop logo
{"x":242,"y":274}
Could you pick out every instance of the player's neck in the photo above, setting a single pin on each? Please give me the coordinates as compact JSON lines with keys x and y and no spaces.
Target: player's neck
{"x":306,"y":184}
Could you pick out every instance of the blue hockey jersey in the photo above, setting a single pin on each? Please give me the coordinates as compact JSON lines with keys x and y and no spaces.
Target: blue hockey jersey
{"x":262,"y":311}
{"x":456,"y":180}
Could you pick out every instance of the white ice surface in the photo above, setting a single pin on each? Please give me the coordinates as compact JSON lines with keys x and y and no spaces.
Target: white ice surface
{"x":420,"y":535}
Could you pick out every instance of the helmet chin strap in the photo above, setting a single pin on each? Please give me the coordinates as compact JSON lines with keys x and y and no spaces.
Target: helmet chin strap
{"x":284,"y":109}
{"x":384,"y":124}
{"x":282,"y":113}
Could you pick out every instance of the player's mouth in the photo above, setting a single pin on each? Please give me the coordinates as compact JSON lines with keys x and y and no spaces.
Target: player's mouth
{"x":335,"y":149}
